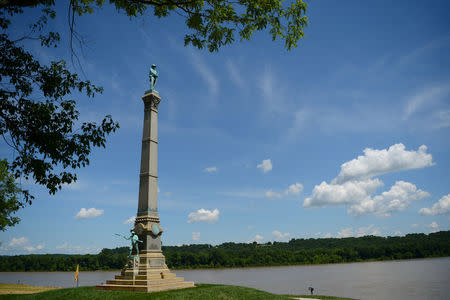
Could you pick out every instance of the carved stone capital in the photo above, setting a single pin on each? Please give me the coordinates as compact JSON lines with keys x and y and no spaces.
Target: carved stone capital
{"x":151,"y":100}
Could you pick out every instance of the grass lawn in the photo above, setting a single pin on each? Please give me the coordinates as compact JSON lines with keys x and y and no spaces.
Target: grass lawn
{"x":201,"y":291}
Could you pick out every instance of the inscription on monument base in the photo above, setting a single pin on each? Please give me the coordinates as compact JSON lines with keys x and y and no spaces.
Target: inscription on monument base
{"x":157,"y":262}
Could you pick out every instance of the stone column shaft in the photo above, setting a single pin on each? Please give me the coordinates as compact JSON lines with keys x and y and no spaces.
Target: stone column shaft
{"x":147,"y":215}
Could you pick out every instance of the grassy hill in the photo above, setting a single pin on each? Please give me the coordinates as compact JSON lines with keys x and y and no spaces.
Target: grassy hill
{"x":200,"y":292}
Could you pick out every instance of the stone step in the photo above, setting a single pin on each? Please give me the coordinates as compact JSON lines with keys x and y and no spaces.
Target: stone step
{"x":146,"y":277}
{"x":144,"y":288}
{"x":144,"y":282}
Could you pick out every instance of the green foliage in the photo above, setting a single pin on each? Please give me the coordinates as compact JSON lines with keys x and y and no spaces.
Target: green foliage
{"x":36,"y":118}
{"x":9,"y":197}
{"x":212,"y":23}
{"x":294,"y":252}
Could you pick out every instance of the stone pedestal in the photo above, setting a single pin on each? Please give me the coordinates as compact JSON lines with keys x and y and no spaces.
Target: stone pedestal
{"x":148,"y":273}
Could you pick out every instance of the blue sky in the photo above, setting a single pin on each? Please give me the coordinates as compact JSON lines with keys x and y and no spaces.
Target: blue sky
{"x":336,"y":126}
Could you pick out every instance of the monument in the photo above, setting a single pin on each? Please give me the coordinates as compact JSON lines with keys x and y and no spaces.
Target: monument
{"x":146,"y":269}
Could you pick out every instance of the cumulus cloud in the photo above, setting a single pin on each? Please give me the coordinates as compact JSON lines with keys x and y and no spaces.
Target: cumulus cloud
{"x":272,"y":194}
{"x":328,"y":235}
{"x":434,"y":227}
{"x":396,"y":199}
{"x":89,"y":213}
{"x":265,"y":165}
{"x":204,"y":215}
{"x":195,"y":236}
{"x":346,"y":232}
{"x":439,"y":208}
{"x":130,"y":220}
{"x":294,"y":189}
{"x":359,"y":232}
{"x":212,"y":169}
{"x":347,"y":193}
{"x":376,"y":162}
{"x":280,"y":236}
{"x":355,"y":186}
{"x":18,"y":242}
{"x":258,"y":238}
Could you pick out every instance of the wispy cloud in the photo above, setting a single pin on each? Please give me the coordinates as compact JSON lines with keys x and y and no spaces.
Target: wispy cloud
{"x":130,"y":220}
{"x":425,"y":98}
{"x":212,"y":169}
{"x":272,"y":194}
{"x":205,"y":72}
{"x":195,"y":236}
{"x":235,"y":74}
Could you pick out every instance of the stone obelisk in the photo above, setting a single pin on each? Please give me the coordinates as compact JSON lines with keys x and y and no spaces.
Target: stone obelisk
{"x":147,"y":271}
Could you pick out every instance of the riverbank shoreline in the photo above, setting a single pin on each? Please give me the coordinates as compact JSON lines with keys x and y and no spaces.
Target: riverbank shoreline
{"x":246,"y":267}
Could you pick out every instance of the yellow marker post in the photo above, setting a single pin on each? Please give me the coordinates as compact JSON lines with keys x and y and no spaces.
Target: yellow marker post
{"x":76,"y":274}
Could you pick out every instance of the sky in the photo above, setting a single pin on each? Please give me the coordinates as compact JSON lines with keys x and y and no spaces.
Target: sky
{"x":346,"y":135}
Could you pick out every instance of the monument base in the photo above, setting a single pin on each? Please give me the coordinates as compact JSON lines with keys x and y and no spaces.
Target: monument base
{"x":149,"y":273}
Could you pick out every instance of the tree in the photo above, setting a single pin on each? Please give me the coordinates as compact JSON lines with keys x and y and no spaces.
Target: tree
{"x":39,"y":122}
{"x":9,"y":197}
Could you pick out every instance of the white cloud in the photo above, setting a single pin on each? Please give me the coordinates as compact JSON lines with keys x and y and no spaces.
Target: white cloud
{"x":130,"y":220}
{"x":368,"y":230}
{"x":234,"y":73}
{"x":294,"y":189}
{"x":272,"y":194}
{"x":18,"y":242}
{"x":89,"y":213}
{"x":434,"y":227}
{"x":398,"y":232}
{"x":354,"y":185}
{"x":204,"y":215}
{"x":328,"y":235}
{"x":425,"y":97}
{"x":211,"y":169}
{"x":258,"y":238}
{"x":361,"y":231}
{"x":63,"y":246}
{"x":347,"y":193}
{"x":396,"y":199}
{"x":205,"y":72}
{"x":443,"y":118}
{"x":265,"y":166}
{"x":195,"y":236}
{"x":346,"y":232}
{"x":74,"y":186}
{"x":377,"y":162}
{"x":280,"y":236}
{"x":31,"y":248}
{"x":69,"y":248}
{"x":439,"y":208}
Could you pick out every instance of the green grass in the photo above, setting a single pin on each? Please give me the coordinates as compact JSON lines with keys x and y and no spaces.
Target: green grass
{"x":322,"y":297}
{"x":201,"y":291}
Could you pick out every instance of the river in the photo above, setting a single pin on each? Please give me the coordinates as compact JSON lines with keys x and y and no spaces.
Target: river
{"x":402,"y":279}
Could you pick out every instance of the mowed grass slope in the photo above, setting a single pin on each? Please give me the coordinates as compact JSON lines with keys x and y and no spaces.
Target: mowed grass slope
{"x":201,"y":291}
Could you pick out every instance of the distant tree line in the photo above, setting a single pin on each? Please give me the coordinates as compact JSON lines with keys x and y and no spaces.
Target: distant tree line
{"x":294,"y":252}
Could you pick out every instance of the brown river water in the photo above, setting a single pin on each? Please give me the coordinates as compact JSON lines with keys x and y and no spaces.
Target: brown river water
{"x":403,"y":279}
